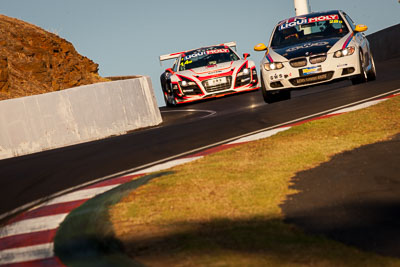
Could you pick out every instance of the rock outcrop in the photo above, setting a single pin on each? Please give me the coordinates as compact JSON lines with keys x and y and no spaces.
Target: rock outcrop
{"x":34,"y":61}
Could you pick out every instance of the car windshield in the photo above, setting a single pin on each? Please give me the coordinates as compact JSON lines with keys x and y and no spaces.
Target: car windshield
{"x":304,"y":29}
{"x":206,"y":57}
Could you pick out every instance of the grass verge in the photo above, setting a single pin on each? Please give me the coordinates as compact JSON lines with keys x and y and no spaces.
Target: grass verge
{"x":224,"y":208}
{"x":86,"y":237}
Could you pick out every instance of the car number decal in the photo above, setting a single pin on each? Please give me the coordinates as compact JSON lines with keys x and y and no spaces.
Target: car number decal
{"x":216,"y":81}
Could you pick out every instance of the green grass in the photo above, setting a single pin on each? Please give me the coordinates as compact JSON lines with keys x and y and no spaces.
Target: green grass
{"x":223,"y":210}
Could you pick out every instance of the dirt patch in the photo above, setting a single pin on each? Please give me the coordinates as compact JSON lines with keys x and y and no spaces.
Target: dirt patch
{"x":34,"y":61}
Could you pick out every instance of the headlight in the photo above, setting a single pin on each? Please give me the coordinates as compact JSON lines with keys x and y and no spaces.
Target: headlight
{"x":186,"y":83}
{"x":273,"y":66}
{"x":344,"y":52}
{"x":244,"y":72}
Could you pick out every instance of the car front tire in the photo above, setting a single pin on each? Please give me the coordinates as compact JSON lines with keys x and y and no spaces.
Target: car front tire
{"x":372,"y":71}
{"x":363,"y":76}
{"x":168,"y":96}
{"x":273,"y":96}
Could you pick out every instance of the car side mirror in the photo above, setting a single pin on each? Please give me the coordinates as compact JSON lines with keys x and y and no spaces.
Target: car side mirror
{"x":246,"y":55}
{"x":169,"y":70}
{"x":260,"y":47}
{"x":361,"y":28}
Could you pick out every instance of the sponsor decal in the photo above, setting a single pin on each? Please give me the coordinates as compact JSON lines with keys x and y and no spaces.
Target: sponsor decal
{"x":323,"y":18}
{"x":212,"y":64}
{"x":183,"y":63}
{"x":292,"y":22}
{"x":214,"y":72}
{"x":268,"y":57}
{"x":195,"y":54}
{"x":206,"y":52}
{"x":278,"y":77}
{"x":348,"y":41}
{"x":217,"y":51}
{"x":310,"y":70}
{"x":341,"y":65}
{"x":307,"y":45}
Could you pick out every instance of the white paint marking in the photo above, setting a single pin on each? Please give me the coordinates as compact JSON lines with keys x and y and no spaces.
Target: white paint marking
{"x":37,"y":252}
{"x":81,"y":194}
{"x":166,"y":165}
{"x":32,"y":225}
{"x":357,"y":107}
{"x":211,"y":112}
{"x":259,"y":136}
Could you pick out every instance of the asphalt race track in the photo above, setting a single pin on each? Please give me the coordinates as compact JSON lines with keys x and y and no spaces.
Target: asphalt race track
{"x":28,"y":178}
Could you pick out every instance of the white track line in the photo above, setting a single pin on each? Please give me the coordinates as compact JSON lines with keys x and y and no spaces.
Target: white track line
{"x":259,"y":136}
{"x":37,"y":252}
{"x":32,"y":225}
{"x":166,"y":165}
{"x":211,"y":112}
{"x":81,"y":194}
{"x":357,"y":107}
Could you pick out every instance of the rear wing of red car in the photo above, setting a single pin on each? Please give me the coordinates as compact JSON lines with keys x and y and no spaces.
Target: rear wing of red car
{"x":177,"y":54}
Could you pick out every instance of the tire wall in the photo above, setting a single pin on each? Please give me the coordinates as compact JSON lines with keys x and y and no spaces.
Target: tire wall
{"x":385,"y":44}
{"x":81,"y":114}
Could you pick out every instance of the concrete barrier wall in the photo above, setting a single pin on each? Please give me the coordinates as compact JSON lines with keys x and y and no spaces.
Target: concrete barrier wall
{"x":385,"y":44}
{"x":86,"y":113}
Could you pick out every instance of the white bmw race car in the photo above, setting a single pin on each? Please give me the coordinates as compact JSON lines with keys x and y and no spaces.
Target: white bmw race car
{"x":207,"y":72}
{"x":313,"y":49}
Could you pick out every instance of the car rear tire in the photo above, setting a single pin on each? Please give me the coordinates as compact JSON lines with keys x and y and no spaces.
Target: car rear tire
{"x":363,"y":76}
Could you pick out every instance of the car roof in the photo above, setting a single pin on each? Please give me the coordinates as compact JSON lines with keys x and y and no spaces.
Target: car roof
{"x":206,"y":48}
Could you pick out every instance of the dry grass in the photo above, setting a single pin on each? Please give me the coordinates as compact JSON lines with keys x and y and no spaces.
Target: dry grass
{"x":224,"y":209}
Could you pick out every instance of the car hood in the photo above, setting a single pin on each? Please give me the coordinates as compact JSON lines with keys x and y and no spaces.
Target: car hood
{"x":307,"y":48}
{"x":222,"y":69}
{"x":214,"y":69}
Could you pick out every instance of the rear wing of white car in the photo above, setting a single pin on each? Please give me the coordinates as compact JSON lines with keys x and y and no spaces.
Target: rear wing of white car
{"x":177,"y":54}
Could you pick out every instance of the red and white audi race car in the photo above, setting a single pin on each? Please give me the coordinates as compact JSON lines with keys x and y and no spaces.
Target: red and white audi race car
{"x":207,"y":72}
